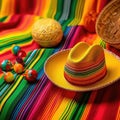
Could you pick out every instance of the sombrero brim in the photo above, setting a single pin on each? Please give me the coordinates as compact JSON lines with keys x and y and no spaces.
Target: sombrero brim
{"x":54,"y":69}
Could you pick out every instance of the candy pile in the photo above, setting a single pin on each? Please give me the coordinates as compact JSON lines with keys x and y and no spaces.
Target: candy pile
{"x":18,"y":67}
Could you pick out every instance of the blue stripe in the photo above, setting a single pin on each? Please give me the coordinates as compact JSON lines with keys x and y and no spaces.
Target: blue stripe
{"x":4,"y":89}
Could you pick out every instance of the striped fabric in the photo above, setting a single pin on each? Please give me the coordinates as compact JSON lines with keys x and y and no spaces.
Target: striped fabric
{"x":43,"y":100}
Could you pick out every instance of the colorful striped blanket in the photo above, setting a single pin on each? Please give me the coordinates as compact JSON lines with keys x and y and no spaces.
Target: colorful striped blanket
{"x":43,"y":100}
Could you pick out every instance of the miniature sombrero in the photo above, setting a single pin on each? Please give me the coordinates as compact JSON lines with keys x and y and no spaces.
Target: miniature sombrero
{"x":108,"y":24}
{"x":83,"y":68}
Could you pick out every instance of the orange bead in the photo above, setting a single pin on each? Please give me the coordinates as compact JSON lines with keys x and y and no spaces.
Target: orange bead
{"x":18,"y":68}
{"x":9,"y":77}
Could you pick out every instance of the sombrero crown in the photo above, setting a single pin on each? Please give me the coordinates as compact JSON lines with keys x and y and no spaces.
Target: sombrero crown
{"x":85,"y":64}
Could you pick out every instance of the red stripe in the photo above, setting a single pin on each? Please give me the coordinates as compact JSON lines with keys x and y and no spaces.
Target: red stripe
{"x":86,"y":80}
{"x":25,"y":6}
{"x":103,"y":107}
{"x":12,"y":23}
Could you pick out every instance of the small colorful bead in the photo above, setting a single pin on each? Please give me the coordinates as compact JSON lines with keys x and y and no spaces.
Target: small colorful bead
{"x":18,"y":68}
{"x":31,"y":75}
{"x":6,"y":65}
{"x":21,"y":53}
{"x":9,"y":77}
{"x":15,"y":49}
{"x":20,"y":60}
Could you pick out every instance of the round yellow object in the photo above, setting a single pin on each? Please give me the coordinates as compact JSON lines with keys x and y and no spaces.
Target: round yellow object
{"x":9,"y":77}
{"x":47,"y":32}
{"x":18,"y":68}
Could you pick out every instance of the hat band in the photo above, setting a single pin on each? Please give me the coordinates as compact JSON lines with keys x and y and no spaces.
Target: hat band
{"x":89,"y":76}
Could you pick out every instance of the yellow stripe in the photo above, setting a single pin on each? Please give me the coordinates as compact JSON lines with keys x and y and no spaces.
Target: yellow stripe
{"x":24,"y":28}
{"x":78,"y":13}
{"x":55,"y":8}
{"x":48,"y":112}
{"x":52,"y":8}
{"x":47,"y":4}
{"x":10,"y":48}
{"x":65,"y":102}
{"x":60,"y":110}
{"x":41,"y":52}
{"x":87,"y":8}
{"x":7,"y":7}
{"x":19,"y":80}
{"x":96,"y":40}
{"x":10,"y":92}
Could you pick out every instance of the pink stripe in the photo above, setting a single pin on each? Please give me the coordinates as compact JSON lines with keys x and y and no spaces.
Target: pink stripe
{"x":79,"y":33}
{"x":39,"y":106}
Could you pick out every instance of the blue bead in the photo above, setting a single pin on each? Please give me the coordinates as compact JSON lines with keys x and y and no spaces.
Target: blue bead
{"x":15,"y":50}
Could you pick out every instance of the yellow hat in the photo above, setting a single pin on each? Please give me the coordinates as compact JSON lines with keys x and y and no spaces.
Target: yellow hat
{"x":83,"y":68}
{"x":85,"y":64}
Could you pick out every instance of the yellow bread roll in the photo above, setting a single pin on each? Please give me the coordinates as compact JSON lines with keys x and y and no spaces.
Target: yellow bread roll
{"x":47,"y":32}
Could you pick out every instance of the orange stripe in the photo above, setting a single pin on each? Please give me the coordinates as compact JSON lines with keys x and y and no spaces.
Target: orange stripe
{"x":88,"y":80}
{"x":25,"y":24}
{"x":89,"y":105}
{"x":89,"y":5}
{"x":7,"y":7}
{"x":86,"y":66}
{"x":118,"y":113}
{"x":52,"y":105}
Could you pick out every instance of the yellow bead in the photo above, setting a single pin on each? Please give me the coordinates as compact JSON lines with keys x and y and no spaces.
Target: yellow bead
{"x":9,"y":77}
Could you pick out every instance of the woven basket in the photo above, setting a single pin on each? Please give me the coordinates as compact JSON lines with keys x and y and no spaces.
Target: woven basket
{"x":108,"y":24}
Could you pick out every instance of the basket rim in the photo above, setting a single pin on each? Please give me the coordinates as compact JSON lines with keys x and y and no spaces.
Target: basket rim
{"x":108,"y":6}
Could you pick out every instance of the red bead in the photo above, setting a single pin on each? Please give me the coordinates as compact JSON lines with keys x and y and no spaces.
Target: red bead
{"x":21,"y":53}
{"x":31,"y":75}
{"x":20,"y":60}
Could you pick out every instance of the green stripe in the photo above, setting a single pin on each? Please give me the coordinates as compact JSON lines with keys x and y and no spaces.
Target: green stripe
{"x":3,"y":85}
{"x":59,"y":9}
{"x":13,"y":99}
{"x":71,"y":14}
{"x":102,"y":43}
{"x":7,"y":42}
{"x":1,"y":81}
{"x":67,"y":111}
{"x":40,"y":63}
{"x":3,"y":19}
{"x":51,"y":9}
{"x":75,"y":108}
{"x":78,"y":111}
{"x":9,"y":88}
{"x":32,"y":60}
{"x":85,"y":73}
